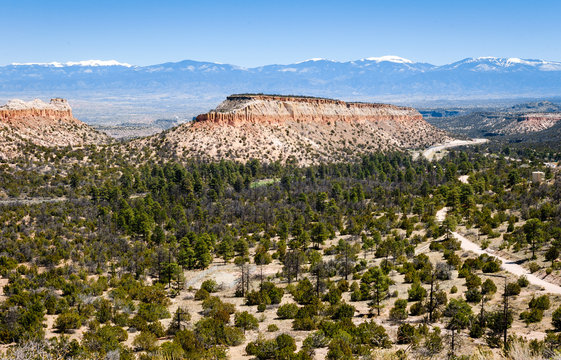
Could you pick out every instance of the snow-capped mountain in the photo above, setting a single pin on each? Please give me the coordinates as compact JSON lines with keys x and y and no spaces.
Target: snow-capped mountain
{"x":77,"y":63}
{"x":489,"y":63}
{"x":179,"y":85}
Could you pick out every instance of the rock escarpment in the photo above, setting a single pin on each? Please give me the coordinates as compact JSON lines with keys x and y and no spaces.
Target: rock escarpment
{"x":512,"y":123}
{"x":531,"y":122}
{"x":19,"y":113}
{"x":243,"y":109}
{"x":45,"y":124}
{"x":303,"y":130}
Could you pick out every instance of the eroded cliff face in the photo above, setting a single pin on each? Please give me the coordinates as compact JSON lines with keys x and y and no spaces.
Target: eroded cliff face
{"x":297,"y":129}
{"x":531,"y":122}
{"x":45,"y":124}
{"x":243,"y":109}
{"x":36,"y":113}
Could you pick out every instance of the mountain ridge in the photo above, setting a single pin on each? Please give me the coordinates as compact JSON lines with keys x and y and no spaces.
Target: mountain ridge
{"x":186,"y":88}
{"x":510,"y":61}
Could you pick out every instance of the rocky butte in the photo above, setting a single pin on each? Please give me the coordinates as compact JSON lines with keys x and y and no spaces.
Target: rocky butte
{"x":299,"y":129}
{"x":45,"y":124}
{"x":271,"y":109}
{"x":36,"y":113}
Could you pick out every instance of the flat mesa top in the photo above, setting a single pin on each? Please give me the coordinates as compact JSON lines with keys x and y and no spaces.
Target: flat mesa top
{"x":55,"y":104}
{"x":307,"y":99}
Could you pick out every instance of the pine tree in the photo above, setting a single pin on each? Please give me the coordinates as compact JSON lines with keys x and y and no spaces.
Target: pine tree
{"x":202,"y":254}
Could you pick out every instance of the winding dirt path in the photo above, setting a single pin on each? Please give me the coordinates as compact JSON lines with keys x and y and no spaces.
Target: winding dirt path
{"x":32,"y":201}
{"x":430,"y":153}
{"x":507,"y":265}
{"x":43,"y":200}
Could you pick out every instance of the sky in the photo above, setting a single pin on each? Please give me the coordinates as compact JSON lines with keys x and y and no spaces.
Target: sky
{"x":254,"y":33}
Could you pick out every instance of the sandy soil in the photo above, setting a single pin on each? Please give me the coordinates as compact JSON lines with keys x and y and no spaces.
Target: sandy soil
{"x":3,"y":282}
{"x":463,"y":179}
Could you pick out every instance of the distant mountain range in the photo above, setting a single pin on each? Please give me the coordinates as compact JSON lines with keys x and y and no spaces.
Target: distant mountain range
{"x":185,"y":88}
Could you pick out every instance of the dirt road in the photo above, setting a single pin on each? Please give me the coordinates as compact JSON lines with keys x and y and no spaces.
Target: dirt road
{"x":431,"y":152}
{"x":507,"y":265}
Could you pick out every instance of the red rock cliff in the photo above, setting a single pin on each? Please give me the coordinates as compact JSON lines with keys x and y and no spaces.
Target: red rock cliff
{"x":46,"y":124}
{"x":18,"y":113}
{"x":269,"y":109}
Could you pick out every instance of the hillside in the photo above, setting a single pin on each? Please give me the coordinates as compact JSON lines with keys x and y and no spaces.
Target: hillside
{"x":304,"y":130}
{"x":387,"y":254}
{"x":36,"y":123}
{"x":510,"y":123}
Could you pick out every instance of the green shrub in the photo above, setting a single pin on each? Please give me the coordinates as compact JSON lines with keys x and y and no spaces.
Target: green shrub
{"x":246,"y":321}
{"x":202,"y":294}
{"x":316,"y":340}
{"x":473,"y":295}
{"x":282,"y":347}
{"x":304,"y":292}
{"x":512,"y":289}
{"x":491,"y":267}
{"x":417,"y":309}
{"x":306,"y":324}
{"x":344,"y":311}
{"x":67,"y":321}
{"x":488,"y":287}
{"x":153,"y":312}
{"x":417,"y":292}
{"x":104,"y":311}
{"x":145,"y":341}
{"x":476,"y":330}
{"x":533,"y":267}
{"x":139,"y":323}
{"x":121,"y":319}
{"x":556,"y":319}
{"x":523,"y":281}
{"x":210,"y":286}
{"x":157,"y":329}
{"x":287,"y":311}
{"x":399,"y":311}
{"x":532,"y":316}
{"x":405,"y":334}
{"x":541,"y":302}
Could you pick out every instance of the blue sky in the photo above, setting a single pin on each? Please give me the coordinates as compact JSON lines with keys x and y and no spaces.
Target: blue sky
{"x":252,"y":33}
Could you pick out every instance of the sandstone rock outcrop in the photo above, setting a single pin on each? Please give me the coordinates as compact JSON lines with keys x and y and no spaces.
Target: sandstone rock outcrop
{"x":45,"y":124}
{"x":35,"y":113}
{"x":531,"y":122}
{"x":304,"y":130}
{"x":270,"y":109}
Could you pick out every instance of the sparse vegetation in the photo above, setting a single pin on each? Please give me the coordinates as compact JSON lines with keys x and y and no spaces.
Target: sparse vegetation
{"x":201,"y":259}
